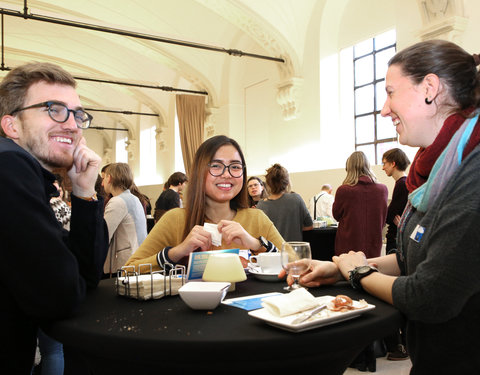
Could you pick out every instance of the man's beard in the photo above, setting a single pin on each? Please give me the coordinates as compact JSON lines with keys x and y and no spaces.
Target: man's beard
{"x":48,"y":158}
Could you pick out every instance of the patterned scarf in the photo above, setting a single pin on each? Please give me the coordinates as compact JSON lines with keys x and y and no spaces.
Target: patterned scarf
{"x":462,"y":142}
{"x":444,"y":167}
{"x":425,"y":158}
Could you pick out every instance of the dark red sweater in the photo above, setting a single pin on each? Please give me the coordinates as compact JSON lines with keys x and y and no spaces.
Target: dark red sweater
{"x":361,"y":211}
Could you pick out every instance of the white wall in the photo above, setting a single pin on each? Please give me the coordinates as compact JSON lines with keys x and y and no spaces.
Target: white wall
{"x":314,"y":146}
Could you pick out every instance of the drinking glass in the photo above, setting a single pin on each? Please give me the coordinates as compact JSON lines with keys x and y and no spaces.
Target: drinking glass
{"x":296,"y":259}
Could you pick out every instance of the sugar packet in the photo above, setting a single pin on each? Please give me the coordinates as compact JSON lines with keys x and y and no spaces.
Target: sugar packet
{"x":216,"y":235}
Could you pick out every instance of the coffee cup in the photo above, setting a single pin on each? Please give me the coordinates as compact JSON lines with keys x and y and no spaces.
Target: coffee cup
{"x":268,"y":262}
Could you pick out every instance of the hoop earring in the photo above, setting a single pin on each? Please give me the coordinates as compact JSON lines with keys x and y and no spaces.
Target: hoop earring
{"x":428,"y":102}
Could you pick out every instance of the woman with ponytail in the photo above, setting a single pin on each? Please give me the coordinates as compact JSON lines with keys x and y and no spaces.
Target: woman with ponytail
{"x":286,"y":209}
{"x":433,"y":92}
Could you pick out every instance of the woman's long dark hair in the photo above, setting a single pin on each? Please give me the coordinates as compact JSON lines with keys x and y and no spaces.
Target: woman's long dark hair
{"x":196,"y":198}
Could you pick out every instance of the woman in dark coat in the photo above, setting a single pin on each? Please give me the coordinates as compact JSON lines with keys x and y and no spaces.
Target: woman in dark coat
{"x":360,"y":208}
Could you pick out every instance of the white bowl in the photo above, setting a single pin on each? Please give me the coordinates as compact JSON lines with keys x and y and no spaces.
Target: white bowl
{"x":203,"y":295}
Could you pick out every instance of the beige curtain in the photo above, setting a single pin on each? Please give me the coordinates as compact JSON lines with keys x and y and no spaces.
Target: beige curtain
{"x":191,"y":118}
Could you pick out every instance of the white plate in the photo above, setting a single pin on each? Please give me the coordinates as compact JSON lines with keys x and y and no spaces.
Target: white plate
{"x":324,"y":318}
{"x":264,"y":276}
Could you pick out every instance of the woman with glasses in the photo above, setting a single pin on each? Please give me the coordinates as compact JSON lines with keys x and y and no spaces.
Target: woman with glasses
{"x":217,"y":193}
{"x":256,"y":191}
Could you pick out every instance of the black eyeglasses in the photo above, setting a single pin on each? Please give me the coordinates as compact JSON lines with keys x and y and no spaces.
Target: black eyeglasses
{"x":217,"y":168}
{"x":59,"y":112}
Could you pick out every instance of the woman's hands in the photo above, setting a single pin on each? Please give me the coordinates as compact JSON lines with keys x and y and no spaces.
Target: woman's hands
{"x":348,"y":261}
{"x":199,"y":238}
{"x":325,"y":273}
{"x":319,"y":273}
{"x":233,"y":232}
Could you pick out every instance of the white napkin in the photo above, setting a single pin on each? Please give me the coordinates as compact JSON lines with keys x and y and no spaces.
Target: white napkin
{"x":216,"y":235}
{"x":290,"y":303}
{"x":144,"y":290}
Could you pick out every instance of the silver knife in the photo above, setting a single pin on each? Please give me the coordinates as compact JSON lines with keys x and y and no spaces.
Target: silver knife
{"x":305,"y":316}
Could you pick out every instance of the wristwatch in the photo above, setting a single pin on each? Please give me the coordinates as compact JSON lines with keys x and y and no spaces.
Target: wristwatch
{"x":263,"y":242}
{"x":358,"y":273}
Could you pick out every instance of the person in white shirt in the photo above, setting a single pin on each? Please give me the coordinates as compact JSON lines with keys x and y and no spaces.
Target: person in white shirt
{"x":124,"y":215}
{"x":321,"y":204}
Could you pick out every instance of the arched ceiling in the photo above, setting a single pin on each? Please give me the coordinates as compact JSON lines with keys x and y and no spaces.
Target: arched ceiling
{"x":273,"y":28}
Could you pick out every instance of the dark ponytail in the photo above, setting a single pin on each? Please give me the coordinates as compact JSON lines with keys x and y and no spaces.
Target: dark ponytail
{"x":278,"y":180}
{"x":452,"y":64}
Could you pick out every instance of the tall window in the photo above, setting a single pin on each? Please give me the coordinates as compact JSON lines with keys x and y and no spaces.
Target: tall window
{"x":121,"y":154}
{"x":373,"y":134}
{"x":147,"y":154}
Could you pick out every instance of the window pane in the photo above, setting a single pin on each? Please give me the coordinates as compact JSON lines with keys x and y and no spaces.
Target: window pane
{"x":121,"y":154}
{"x":147,"y":153}
{"x":370,"y":69}
{"x":385,"y":128}
{"x":380,"y":95}
{"x":364,"y":100}
{"x":364,"y":70}
{"x":386,"y":39}
{"x":369,"y":151}
{"x":364,"y":129}
{"x":381,"y":62}
{"x":363,"y":48}
{"x":382,"y":147}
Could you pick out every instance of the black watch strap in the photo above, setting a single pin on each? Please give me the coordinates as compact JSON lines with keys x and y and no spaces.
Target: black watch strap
{"x":358,"y":273}
{"x":263,"y":242}
{"x":267,"y":245}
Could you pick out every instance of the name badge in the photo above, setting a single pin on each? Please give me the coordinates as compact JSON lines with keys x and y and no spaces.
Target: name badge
{"x":417,"y":233}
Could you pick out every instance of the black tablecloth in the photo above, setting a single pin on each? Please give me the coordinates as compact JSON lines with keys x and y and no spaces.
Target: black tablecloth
{"x":322,"y":242}
{"x":117,"y":334}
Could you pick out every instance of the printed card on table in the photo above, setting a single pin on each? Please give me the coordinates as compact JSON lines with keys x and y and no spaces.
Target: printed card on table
{"x":198,"y":261}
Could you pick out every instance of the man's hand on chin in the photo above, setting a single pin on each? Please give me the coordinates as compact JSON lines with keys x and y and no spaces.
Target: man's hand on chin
{"x":84,"y":171}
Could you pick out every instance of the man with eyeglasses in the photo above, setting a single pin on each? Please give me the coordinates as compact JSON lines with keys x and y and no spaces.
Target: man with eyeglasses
{"x":46,"y":270}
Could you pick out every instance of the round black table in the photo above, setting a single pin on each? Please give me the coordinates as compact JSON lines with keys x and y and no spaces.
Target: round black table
{"x":322,"y":242}
{"x":112,"y":334}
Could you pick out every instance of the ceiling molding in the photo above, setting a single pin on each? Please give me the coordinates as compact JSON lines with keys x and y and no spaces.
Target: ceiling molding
{"x":259,"y":30}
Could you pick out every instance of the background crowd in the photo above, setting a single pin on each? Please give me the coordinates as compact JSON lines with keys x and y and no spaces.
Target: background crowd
{"x":429,"y":273}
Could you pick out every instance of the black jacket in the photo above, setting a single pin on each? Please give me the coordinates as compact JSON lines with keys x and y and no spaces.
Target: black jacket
{"x":45,"y":269}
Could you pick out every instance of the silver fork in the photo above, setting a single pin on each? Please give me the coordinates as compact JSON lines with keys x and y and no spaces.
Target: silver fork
{"x":311,"y":313}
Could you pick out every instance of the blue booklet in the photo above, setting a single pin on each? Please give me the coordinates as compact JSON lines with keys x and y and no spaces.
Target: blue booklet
{"x":249,"y":303}
{"x":198,"y":261}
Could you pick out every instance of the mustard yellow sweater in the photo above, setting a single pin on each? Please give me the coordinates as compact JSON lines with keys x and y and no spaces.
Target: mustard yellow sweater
{"x":169,"y":232}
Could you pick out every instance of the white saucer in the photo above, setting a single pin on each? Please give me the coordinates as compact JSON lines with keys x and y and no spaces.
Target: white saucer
{"x":264,"y":276}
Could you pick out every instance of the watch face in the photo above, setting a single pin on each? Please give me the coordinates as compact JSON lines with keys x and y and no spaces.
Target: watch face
{"x":363,"y":269}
